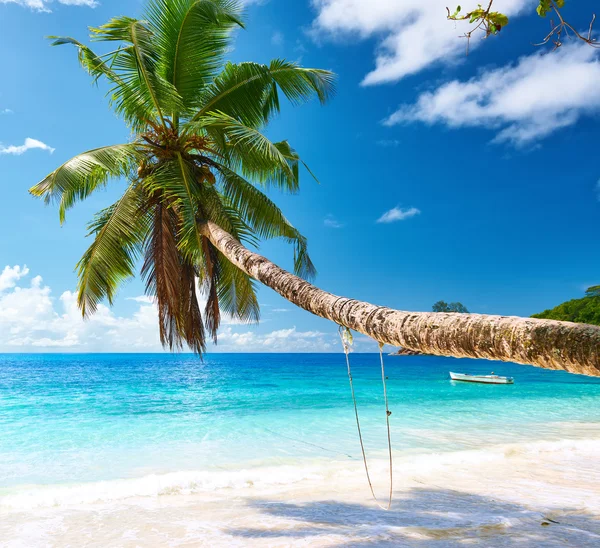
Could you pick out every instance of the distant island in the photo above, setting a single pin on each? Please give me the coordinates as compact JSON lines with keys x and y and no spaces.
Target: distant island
{"x":439,"y":306}
{"x":443,"y":306}
{"x":406,"y":352}
{"x":584,"y":310}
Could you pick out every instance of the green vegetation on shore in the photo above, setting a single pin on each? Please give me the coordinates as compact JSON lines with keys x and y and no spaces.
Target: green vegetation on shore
{"x":585,"y":310}
{"x":443,"y":306}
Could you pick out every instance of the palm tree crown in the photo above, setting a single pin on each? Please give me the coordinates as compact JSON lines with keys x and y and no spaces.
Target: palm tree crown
{"x":197,"y":155}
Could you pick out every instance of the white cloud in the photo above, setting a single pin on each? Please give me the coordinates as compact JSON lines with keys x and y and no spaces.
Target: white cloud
{"x":415,"y":34}
{"x":27,"y":145}
{"x":89,"y":3}
{"x":145,"y":299}
{"x":31,"y":319}
{"x":33,"y":4}
{"x":6,"y":111}
{"x":522,"y":101}
{"x":42,"y":5}
{"x":11,"y":275}
{"x":280,"y":340}
{"x":331,"y":222}
{"x":280,"y":310}
{"x":398,"y":214}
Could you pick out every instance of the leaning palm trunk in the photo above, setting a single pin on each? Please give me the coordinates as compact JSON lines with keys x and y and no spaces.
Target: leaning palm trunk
{"x":542,"y":343}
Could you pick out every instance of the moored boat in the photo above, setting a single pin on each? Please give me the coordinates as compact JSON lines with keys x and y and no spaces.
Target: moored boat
{"x":485,"y":379}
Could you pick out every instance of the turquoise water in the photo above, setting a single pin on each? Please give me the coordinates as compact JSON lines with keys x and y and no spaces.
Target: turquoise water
{"x":69,"y":419}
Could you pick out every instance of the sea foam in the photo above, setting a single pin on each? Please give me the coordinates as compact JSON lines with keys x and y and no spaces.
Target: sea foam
{"x":524,"y":460}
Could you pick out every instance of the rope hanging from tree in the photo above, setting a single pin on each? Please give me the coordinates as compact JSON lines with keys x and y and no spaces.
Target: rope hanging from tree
{"x":346,"y":338}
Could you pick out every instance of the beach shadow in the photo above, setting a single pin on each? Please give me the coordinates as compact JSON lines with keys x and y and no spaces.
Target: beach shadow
{"x":423,"y":518}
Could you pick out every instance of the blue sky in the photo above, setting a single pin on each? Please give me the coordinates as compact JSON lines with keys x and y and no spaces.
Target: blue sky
{"x":442,"y":176}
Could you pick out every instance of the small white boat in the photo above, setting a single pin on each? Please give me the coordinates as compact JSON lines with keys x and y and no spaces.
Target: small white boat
{"x":486,"y":379}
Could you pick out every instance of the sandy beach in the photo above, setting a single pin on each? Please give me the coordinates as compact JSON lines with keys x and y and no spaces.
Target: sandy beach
{"x":540,"y":494}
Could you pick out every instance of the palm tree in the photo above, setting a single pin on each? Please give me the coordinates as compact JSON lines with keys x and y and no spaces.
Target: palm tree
{"x":196,"y":168}
{"x":196,"y":147}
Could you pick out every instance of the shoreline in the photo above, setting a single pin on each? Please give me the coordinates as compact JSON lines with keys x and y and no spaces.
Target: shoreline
{"x":499,"y":493}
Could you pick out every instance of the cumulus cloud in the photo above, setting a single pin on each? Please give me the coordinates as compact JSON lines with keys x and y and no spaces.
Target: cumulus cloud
{"x":415,"y":34}
{"x":522,"y":101}
{"x":398,"y":214}
{"x":31,"y":319}
{"x":43,"y":5}
{"x":11,"y":275}
{"x":27,"y":145}
{"x":280,"y":340}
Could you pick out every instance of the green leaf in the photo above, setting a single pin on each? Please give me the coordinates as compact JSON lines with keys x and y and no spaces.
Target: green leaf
{"x":249,"y":91}
{"x":237,"y":292}
{"x":265,"y":218}
{"x":192,"y":38}
{"x":138,"y":64}
{"x":77,"y":178}
{"x":544,"y":8}
{"x":118,"y":231}
{"x":247,"y":150}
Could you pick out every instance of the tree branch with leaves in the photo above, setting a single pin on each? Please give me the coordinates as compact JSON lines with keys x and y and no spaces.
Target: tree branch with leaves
{"x":491,"y":22}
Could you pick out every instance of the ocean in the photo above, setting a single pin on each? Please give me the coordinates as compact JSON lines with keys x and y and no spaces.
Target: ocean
{"x":262,"y":449}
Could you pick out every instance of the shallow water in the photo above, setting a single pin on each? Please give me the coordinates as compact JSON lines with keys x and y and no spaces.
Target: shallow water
{"x":262,"y":449}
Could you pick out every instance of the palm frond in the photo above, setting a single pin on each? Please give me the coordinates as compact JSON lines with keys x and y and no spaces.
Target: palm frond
{"x":130,"y":100}
{"x":136,"y":65}
{"x":162,"y":272}
{"x":195,"y":201}
{"x":191,"y":38}
{"x":248,"y":151}
{"x":119,"y":232}
{"x":265,"y":218}
{"x":294,"y":159}
{"x":94,"y":64}
{"x":237,"y":292}
{"x":212,"y":278}
{"x":178,"y":181}
{"x":301,"y":84}
{"x":77,"y":178}
{"x":172,"y":281}
{"x":216,"y":208}
{"x":249,"y":91}
{"x":192,"y":328}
